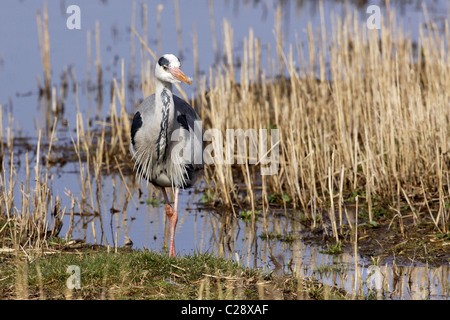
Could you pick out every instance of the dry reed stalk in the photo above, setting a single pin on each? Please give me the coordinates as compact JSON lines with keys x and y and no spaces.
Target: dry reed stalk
{"x":72,"y":212}
{"x":159,"y":9}
{"x":88,"y":70}
{"x":131,"y":70}
{"x":122,"y":123}
{"x":178,"y":27}
{"x":77,"y":148}
{"x":89,"y":57}
{"x":331,"y":210}
{"x":44,"y":46}
{"x":98,"y":67}
{"x":228,"y":47}
{"x":213,"y":30}
{"x":279,"y":38}
{"x":21,"y":283}
{"x":40,"y":282}
{"x":145,"y":63}
{"x":341,"y":201}
{"x":355,"y":250}
{"x":195,"y":54}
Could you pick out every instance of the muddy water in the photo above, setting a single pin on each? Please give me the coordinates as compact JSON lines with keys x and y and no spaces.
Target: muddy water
{"x":141,"y":222}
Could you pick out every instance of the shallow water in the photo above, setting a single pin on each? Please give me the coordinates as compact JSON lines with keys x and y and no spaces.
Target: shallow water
{"x":145,"y":225}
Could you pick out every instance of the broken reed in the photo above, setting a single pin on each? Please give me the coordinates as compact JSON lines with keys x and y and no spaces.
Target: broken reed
{"x":44,"y":46}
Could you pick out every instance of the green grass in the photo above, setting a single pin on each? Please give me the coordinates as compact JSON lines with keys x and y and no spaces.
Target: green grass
{"x":154,"y":202}
{"x":288,"y":238}
{"x":246,"y":215}
{"x":126,"y":274}
{"x":130,"y":274}
{"x":207,"y":197}
{"x":335,"y":248}
{"x":276,"y":198}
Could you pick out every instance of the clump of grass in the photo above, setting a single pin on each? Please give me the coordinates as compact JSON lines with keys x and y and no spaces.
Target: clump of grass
{"x":154,"y":202}
{"x":335,"y":268}
{"x":207,"y":197}
{"x":246,"y":215}
{"x":334,"y":248}
{"x":279,"y":198}
{"x":288,"y":238}
{"x":443,"y":236}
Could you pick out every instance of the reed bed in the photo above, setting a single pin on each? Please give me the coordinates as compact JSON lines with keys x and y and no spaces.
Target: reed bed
{"x":374,"y":122}
{"x":29,"y":212}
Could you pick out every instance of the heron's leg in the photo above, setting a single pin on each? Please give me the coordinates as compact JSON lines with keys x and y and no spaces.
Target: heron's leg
{"x":169,"y":210}
{"x":173,"y":218}
{"x":173,"y":224}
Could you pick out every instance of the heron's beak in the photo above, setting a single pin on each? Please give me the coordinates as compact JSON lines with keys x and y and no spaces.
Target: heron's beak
{"x":177,"y":73}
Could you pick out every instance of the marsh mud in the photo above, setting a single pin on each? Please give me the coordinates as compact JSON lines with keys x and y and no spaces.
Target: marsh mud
{"x":418,"y":243}
{"x":385,"y":243}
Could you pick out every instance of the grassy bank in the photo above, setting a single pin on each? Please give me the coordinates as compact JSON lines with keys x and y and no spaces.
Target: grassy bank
{"x":128,"y":274}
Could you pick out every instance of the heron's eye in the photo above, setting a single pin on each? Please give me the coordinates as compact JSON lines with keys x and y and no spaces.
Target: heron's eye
{"x":164,"y":68}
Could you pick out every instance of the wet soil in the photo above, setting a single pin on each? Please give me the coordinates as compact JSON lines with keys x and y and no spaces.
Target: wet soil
{"x":394,"y":240}
{"x":408,"y":244}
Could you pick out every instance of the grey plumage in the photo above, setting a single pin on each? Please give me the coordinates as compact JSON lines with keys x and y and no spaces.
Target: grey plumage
{"x":148,"y":136}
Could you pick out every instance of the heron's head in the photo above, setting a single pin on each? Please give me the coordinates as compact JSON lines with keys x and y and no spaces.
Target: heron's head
{"x":168,"y":70}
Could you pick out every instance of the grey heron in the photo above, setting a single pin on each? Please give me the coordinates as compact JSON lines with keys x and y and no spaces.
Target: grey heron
{"x":163,"y":125}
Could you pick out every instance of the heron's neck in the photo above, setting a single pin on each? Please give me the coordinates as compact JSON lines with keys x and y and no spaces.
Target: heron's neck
{"x":164,"y":96}
{"x":160,"y":86}
{"x":165,"y":111}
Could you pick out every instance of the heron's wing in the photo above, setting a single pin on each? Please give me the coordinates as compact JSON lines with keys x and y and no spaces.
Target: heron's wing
{"x":142,"y":117}
{"x":184,"y":113}
{"x":186,"y":118}
{"x":147,"y":107}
